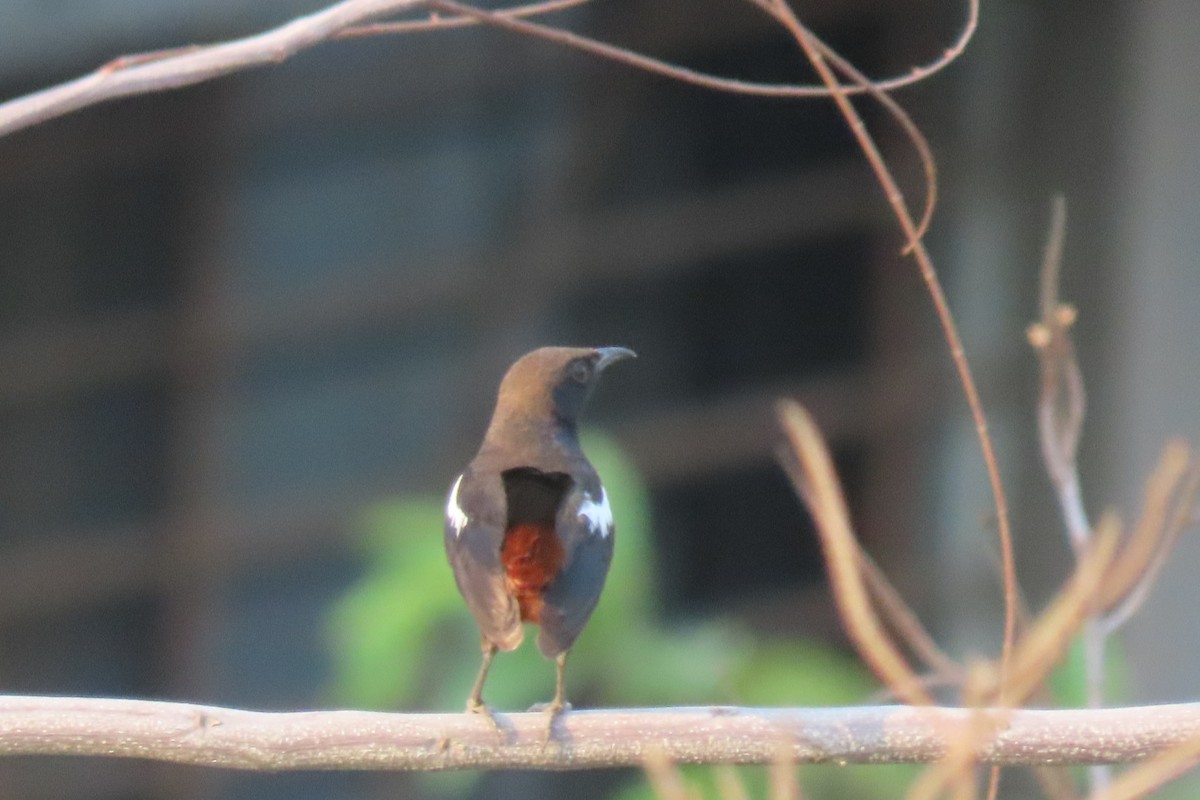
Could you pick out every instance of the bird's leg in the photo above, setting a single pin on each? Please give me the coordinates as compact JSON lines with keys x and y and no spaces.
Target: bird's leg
{"x":475,"y":703}
{"x":559,"y":704}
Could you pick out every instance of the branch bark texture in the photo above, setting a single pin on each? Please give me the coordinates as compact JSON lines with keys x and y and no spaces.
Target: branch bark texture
{"x":364,"y":740}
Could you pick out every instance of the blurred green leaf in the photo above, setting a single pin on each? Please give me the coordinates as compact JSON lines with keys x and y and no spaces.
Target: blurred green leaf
{"x":831,"y":678}
{"x":381,"y":626}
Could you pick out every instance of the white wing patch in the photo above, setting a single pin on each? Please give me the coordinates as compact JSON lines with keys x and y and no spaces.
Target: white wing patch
{"x":455,"y":515}
{"x":598,"y":515}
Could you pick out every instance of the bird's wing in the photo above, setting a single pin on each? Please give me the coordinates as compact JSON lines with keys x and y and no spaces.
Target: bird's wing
{"x":585,"y":527}
{"x":475,"y":518}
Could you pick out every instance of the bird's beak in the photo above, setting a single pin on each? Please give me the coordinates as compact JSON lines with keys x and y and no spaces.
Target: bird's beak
{"x":608,"y":355}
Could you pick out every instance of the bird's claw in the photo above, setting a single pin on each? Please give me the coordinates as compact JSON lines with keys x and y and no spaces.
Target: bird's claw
{"x":552,"y":710}
{"x":480,"y":707}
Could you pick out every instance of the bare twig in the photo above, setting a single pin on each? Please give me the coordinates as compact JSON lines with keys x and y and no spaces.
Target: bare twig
{"x":362,"y":740}
{"x":1055,"y":783}
{"x":1042,"y":648}
{"x":190,"y":66}
{"x":1035,"y":654}
{"x":177,"y":67}
{"x":1062,"y":406}
{"x":683,"y":74}
{"x":1167,"y":510}
{"x":906,"y":623}
{"x":1063,"y":402}
{"x":956,"y":767}
{"x":436,"y":22}
{"x":1170,"y":490}
{"x":816,"y":481}
{"x":783,"y":783}
{"x":993,"y":789}
{"x":664,"y":776}
{"x":1154,"y":773}
{"x":730,"y":785}
{"x":912,"y":231}
{"x":914,"y":134}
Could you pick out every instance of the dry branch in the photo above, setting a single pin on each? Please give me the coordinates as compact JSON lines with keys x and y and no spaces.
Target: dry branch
{"x":174,"y":68}
{"x":1170,"y":498}
{"x":810,"y":466}
{"x":904,"y":621}
{"x":1170,"y":491}
{"x":820,"y":62}
{"x":1063,"y":401}
{"x":1153,"y":774}
{"x":364,"y":740}
{"x":1041,"y":649}
{"x":954,"y":738}
{"x":171,"y":70}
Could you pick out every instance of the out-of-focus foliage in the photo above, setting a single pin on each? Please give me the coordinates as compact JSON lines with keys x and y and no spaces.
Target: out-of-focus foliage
{"x":403,"y":638}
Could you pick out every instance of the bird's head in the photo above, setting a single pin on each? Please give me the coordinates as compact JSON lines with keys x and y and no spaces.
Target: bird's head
{"x":554,"y":383}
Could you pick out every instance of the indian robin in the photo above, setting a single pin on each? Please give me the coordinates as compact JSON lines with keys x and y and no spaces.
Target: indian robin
{"x":529,"y":531}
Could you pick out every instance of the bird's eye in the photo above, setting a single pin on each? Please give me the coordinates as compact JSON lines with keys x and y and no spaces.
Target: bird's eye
{"x":580,"y":371}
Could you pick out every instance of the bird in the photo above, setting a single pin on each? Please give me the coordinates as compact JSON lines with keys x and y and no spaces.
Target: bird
{"x":529,"y":529}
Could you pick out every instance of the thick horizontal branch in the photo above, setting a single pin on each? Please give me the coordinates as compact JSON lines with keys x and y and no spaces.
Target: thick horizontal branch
{"x":365,"y":740}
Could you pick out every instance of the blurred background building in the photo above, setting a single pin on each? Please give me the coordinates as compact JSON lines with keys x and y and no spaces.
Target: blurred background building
{"x":234,"y":315}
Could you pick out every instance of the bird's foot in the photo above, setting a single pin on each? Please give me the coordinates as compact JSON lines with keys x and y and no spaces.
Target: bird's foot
{"x":552,"y":710}
{"x":475,"y":706}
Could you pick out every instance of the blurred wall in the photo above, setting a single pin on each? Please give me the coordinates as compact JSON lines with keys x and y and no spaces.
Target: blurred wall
{"x":1158,"y":343}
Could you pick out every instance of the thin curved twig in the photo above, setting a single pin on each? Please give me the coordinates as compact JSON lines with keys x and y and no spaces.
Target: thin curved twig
{"x":1061,"y":409}
{"x":1153,"y":773}
{"x":173,"y":68}
{"x":1062,"y":405}
{"x":877,"y":89}
{"x":906,"y":623}
{"x":1166,"y":512}
{"x":945,"y":317}
{"x":810,"y":467}
{"x":705,"y":80}
{"x":664,"y":775}
{"x":914,"y":134}
{"x":435,"y":22}
{"x":870,"y":150}
{"x":1043,"y":646}
{"x":953,"y":771}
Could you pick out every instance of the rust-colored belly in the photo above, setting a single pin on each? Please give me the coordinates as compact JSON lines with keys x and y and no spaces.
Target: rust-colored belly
{"x":532,"y":556}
